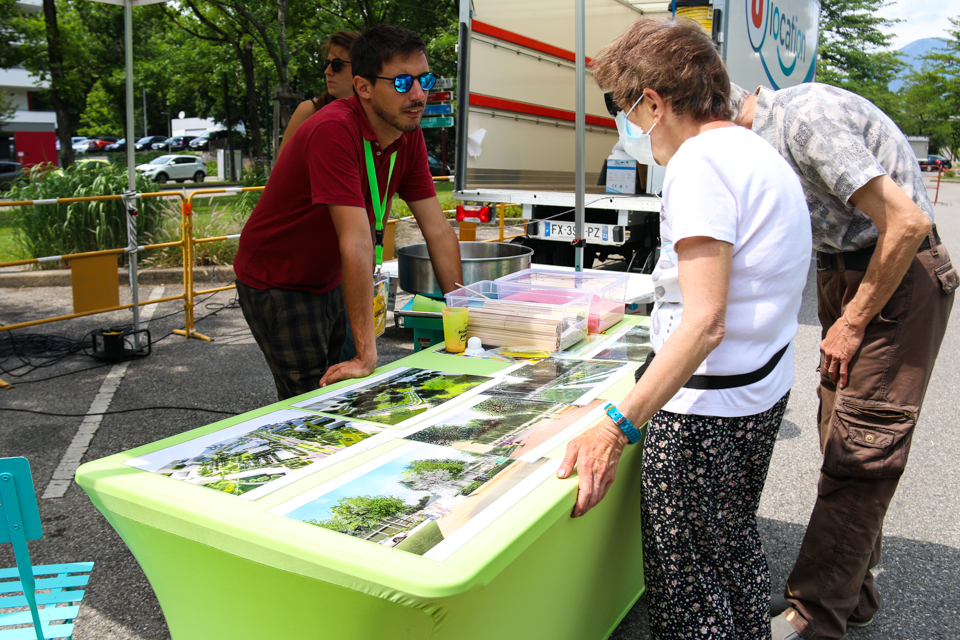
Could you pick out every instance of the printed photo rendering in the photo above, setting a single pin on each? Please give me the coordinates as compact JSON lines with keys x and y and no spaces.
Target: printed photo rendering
{"x":395,"y":396}
{"x":498,"y":425}
{"x":417,"y":497}
{"x":559,"y":380}
{"x":259,"y":456}
{"x":627,"y":345}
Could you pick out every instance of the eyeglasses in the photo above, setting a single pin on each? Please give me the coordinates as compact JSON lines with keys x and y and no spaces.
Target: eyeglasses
{"x":404,"y":82}
{"x":611,"y":104}
{"x":336,"y":64}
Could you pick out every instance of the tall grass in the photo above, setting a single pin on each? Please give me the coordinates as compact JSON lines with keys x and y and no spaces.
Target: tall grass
{"x":57,"y":229}
{"x":221,"y":217}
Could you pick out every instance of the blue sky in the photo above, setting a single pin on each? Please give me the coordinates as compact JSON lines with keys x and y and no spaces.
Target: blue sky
{"x":920,"y":19}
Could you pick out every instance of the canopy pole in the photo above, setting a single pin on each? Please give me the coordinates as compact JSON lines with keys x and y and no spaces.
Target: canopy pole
{"x":130,"y":210}
{"x":580,"y":124}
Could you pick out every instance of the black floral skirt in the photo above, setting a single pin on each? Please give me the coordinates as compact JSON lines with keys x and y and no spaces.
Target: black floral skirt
{"x":704,"y":568}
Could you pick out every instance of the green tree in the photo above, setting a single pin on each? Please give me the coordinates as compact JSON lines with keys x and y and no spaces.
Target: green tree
{"x":100,"y":115}
{"x":936,"y":92}
{"x":452,"y":466}
{"x":854,"y":50}
{"x":7,"y":110}
{"x":927,"y":109}
{"x":362,"y":512}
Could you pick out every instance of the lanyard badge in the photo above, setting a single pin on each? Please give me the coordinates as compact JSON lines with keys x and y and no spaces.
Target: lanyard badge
{"x":379,"y":205}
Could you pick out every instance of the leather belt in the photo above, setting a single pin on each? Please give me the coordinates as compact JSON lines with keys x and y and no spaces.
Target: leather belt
{"x":859,"y":260}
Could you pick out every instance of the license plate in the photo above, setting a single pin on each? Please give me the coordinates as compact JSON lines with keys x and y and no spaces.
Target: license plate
{"x":566,"y":231}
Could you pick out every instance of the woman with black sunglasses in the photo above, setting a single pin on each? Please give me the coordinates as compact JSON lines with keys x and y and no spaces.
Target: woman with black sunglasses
{"x":339,"y":76}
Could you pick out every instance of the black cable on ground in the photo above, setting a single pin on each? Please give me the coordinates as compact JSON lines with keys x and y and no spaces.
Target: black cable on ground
{"x":24,"y":348}
{"x":54,"y":349}
{"x":107,"y":413}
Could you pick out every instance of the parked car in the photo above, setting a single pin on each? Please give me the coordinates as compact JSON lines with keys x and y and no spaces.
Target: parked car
{"x":438,"y":168}
{"x":11,"y":173}
{"x":146,"y":143}
{"x":100,"y":144}
{"x":80,"y":145}
{"x":119,"y":145}
{"x":174,"y":167}
{"x":202,"y":142}
{"x":74,"y":140}
{"x":176,"y":143}
{"x":935,"y":163}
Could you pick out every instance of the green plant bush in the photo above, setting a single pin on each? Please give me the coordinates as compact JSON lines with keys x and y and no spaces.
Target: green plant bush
{"x":58,"y":229}
{"x":253,"y":176}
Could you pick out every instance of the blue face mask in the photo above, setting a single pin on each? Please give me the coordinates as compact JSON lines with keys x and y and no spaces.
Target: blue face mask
{"x":634,"y":141}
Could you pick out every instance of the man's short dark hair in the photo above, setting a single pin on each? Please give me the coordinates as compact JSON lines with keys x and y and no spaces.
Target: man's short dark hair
{"x":377,"y":45}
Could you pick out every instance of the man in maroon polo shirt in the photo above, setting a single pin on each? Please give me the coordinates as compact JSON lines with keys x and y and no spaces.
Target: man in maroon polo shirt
{"x":306,"y":254}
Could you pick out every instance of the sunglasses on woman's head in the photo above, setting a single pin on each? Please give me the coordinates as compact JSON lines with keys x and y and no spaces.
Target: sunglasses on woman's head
{"x":336,"y":63}
{"x":402,"y":83}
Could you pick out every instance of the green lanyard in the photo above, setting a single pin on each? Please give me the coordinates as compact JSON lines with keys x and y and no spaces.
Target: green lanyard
{"x":379,"y":206}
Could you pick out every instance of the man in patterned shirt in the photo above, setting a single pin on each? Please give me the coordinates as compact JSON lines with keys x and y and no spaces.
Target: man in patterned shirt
{"x":884,"y":290}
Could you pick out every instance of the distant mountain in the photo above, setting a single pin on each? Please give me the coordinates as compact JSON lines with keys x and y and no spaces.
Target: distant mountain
{"x":912,"y":54}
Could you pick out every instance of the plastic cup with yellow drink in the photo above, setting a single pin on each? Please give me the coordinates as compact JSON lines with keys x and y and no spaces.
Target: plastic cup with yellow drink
{"x":455,"y":328}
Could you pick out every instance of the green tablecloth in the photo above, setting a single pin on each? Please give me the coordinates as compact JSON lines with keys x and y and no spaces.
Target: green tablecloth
{"x":223,"y":567}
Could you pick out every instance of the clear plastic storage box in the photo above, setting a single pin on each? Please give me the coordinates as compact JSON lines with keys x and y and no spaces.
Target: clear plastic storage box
{"x":515,"y":316}
{"x":608,"y":291}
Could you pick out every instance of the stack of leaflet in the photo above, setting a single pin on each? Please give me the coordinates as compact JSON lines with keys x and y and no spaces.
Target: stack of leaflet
{"x":509,"y":317}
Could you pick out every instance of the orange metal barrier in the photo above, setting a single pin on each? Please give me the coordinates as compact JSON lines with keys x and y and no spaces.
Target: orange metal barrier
{"x":189,"y":330}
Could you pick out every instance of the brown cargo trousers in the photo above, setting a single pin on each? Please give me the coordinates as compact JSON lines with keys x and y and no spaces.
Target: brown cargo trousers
{"x":865,"y":434}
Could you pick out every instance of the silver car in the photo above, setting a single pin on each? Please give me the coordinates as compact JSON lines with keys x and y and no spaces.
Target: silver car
{"x":174,"y":167}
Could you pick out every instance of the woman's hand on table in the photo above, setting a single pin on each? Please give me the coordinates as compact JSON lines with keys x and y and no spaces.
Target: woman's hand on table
{"x":596,"y":453}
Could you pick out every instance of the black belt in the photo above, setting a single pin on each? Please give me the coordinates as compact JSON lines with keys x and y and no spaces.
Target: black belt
{"x":859,"y":260}
{"x":722,"y":382}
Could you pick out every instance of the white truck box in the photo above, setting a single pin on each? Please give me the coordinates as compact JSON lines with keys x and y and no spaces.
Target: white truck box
{"x":516,"y":83}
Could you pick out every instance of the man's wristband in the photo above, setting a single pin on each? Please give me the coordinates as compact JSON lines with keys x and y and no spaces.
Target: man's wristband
{"x":625,"y":425}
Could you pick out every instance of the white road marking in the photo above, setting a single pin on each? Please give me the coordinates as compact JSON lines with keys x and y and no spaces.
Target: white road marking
{"x":63,"y":476}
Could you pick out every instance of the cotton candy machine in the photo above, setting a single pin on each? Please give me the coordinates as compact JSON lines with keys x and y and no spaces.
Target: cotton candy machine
{"x":481,"y":261}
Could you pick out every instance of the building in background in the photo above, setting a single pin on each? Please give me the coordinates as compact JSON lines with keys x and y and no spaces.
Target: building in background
{"x":30,"y":138}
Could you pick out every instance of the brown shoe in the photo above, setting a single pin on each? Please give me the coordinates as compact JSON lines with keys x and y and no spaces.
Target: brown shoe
{"x":854,"y":622}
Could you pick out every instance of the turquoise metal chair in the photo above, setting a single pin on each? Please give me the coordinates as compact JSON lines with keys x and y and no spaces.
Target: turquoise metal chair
{"x":53,"y":601}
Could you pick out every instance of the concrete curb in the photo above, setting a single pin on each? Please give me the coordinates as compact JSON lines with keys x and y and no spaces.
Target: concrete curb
{"x":223,"y":274}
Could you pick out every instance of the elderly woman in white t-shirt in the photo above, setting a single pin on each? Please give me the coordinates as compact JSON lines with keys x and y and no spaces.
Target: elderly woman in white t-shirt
{"x":736,"y":245}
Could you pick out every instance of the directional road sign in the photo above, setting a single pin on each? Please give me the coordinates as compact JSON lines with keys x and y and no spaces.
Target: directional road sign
{"x":438,"y":109}
{"x":438,"y":121}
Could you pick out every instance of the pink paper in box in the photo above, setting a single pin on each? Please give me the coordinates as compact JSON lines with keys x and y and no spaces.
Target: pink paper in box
{"x":552,"y":296}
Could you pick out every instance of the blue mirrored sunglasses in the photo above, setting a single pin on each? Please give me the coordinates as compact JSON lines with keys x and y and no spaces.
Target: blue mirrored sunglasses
{"x":402,"y":83}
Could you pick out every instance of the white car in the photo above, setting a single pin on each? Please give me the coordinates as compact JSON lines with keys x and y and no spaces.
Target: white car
{"x":80,"y":144}
{"x":74,"y":140}
{"x":174,"y":167}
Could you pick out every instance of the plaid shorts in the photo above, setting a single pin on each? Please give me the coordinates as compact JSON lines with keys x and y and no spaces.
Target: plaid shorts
{"x":300,"y":334}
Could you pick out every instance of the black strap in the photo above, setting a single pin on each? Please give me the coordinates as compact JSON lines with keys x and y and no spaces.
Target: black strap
{"x":722,"y":382}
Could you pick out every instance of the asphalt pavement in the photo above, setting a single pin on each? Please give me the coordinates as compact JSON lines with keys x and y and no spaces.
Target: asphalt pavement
{"x":916,"y":576}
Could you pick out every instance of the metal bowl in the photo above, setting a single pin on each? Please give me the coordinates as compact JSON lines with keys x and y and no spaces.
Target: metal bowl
{"x":481,"y":261}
